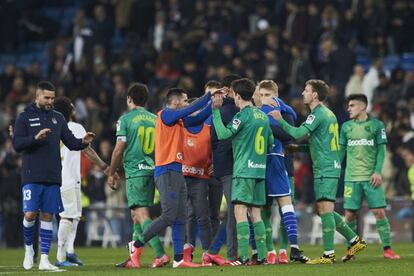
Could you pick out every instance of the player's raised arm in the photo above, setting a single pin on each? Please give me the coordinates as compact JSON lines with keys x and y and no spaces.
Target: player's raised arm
{"x":295,"y":132}
{"x":222,"y":131}
{"x":170,"y":116}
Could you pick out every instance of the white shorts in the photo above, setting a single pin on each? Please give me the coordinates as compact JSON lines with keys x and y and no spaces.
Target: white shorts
{"x":71,"y":199}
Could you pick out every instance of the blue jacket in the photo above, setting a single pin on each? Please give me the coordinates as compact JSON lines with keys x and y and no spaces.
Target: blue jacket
{"x":41,"y":161}
{"x":222,"y":150}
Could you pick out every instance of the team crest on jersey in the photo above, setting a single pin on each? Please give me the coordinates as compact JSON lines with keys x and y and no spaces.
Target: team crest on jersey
{"x":310,"y":119}
{"x":236,"y":123}
{"x":54,"y":121}
{"x":190,"y":142}
{"x":367,"y":129}
{"x":383,"y":134}
{"x":118,"y":125}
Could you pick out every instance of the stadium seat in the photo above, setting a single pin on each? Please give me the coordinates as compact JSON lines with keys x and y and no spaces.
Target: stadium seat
{"x":167,"y":238}
{"x":370,"y":233}
{"x":364,"y":61}
{"x":407,"y":58}
{"x":7,"y":58}
{"x":99,"y":229}
{"x":52,"y":13}
{"x":391,"y":62}
{"x":316,"y":233}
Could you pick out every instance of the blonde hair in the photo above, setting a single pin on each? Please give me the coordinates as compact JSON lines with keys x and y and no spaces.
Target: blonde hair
{"x":269,"y":85}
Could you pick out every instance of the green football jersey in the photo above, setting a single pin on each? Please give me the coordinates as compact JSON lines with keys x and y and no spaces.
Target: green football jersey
{"x":137,"y":129}
{"x":361,"y":140}
{"x":323,"y":142}
{"x":251,"y":139}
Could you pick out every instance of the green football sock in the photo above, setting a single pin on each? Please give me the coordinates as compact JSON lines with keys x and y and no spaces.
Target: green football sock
{"x":353,"y":226}
{"x":328,"y":231}
{"x":343,"y":228}
{"x":260,"y":237}
{"x":384,"y":231}
{"x":243,"y":235}
{"x":283,"y":237}
{"x":155,"y":242}
{"x":137,"y":231}
{"x":266,"y":217}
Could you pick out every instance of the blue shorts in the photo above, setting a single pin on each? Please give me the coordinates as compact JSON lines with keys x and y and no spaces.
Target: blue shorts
{"x":43,"y":198}
{"x":277,"y":180}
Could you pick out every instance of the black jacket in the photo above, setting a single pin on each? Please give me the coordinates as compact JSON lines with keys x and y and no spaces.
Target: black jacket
{"x":41,"y":161}
{"x":222,"y":150}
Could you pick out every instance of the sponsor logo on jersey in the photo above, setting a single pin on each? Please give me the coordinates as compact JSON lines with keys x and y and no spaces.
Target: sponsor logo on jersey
{"x":34,"y":119}
{"x":383,"y":134}
{"x":310,"y":119}
{"x":252,"y":165}
{"x":337,"y":165}
{"x":361,"y":142}
{"x":193,"y":170}
{"x":236,"y":123}
{"x":145,"y":167}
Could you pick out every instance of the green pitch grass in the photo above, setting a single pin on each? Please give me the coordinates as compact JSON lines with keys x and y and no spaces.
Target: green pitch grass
{"x":101,"y":262}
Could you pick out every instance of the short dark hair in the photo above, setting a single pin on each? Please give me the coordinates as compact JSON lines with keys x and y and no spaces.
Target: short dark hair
{"x":227,"y":80}
{"x":244,"y":87}
{"x":45,"y":85}
{"x":64,"y":106}
{"x":357,"y":97}
{"x":191,"y":100}
{"x":138,"y":92}
{"x":213,"y":84}
{"x":320,"y":87}
{"x":174,"y":93}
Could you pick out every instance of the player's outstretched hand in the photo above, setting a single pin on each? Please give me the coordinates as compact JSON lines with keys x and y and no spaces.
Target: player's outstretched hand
{"x":376,"y":180}
{"x":217,"y":100}
{"x":42,"y":134}
{"x":275,"y":114}
{"x":88,"y":138}
{"x":110,"y":181}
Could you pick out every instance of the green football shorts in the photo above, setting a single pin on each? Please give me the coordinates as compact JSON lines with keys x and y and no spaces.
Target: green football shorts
{"x":356,"y":191}
{"x":140,"y":191}
{"x":325,"y":188}
{"x":248,"y":191}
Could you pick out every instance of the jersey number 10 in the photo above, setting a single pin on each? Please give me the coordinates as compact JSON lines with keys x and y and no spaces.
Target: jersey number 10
{"x":146,"y":136}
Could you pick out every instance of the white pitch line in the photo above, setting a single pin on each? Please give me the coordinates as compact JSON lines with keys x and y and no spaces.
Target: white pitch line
{"x":21,"y":272}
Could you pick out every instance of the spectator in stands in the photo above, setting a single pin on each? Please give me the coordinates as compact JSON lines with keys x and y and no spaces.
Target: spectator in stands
{"x":371,"y":80}
{"x":354,"y":85}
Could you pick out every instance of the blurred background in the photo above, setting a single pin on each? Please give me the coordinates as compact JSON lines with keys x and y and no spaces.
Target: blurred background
{"x":92,"y":49}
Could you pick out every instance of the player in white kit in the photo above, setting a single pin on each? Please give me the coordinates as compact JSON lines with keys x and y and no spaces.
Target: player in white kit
{"x":71,"y":187}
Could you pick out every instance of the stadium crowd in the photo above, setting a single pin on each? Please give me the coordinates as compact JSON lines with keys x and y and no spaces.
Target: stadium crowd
{"x":92,"y":50}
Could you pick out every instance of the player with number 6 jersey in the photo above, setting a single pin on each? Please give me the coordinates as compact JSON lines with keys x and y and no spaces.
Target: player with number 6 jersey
{"x":251,"y":139}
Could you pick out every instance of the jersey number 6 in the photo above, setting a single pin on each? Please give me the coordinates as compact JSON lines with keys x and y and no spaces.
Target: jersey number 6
{"x":259,"y":142}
